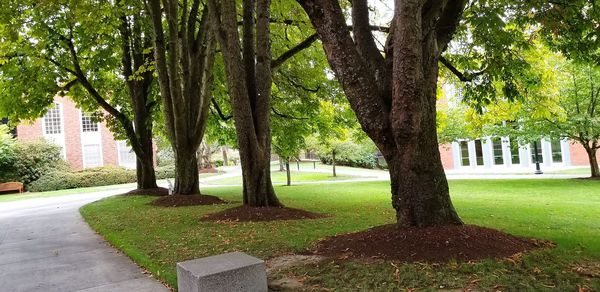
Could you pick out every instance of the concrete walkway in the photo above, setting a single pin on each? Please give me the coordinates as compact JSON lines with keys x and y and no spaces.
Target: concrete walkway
{"x":46,"y":246}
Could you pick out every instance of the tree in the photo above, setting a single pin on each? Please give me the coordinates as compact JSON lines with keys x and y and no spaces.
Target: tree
{"x":249,"y":77}
{"x":394,"y":95}
{"x":58,"y":46}
{"x":184,"y":49}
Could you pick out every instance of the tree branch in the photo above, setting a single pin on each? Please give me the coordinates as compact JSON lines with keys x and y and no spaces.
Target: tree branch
{"x":464,"y":77}
{"x":294,"y":50}
{"x":219,"y":111}
{"x":285,"y":116}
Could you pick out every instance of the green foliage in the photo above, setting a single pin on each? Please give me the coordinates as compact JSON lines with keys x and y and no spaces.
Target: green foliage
{"x":31,"y":160}
{"x":7,"y":151}
{"x":100,"y":176}
{"x":351,"y":154}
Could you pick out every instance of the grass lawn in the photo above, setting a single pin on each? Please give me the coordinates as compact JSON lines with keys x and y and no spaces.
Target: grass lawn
{"x":580,"y":170}
{"x":279,"y":177}
{"x":564,"y":211}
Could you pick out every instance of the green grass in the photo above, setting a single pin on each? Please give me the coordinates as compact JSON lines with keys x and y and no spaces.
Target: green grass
{"x":564,"y":211}
{"x":279,"y":177}
{"x":579,"y":170}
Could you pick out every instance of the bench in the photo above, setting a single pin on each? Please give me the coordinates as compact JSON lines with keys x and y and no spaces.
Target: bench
{"x":11,"y":187}
{"x":229,"y":272}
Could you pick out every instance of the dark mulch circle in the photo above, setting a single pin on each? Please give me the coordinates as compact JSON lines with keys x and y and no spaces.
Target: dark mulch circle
{"x":208,"y":170}
{"x":149,"y":192}
{"x":187,"y":200}
{"x":257,"y":214}
{"x":430,"y":244}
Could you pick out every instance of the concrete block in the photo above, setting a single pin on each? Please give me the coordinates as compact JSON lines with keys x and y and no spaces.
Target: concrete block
{"x":235,"y":271}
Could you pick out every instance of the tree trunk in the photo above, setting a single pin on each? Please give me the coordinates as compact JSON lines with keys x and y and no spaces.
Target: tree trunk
{"x":333,"y":162}
{"x":281,"y":164}
{"x":256,"y":175}
{"x":225,"y":161}
{"x":394,"y":96}
{"x":249,"y":80}
{"x":288,"y":174}
{"x":186,"y":173}
{"x":591,"y":152}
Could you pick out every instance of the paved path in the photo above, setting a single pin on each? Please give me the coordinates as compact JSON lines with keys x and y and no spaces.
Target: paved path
{"x":46,"y":246}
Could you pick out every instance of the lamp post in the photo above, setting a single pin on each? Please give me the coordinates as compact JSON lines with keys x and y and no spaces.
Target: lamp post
{"x":537,"y":158}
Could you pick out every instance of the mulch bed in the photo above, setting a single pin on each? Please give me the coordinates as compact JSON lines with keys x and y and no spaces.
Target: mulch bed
{"x":149,"y":192}
{"x":187,"y":200}
{"x":258,"y":214}
{"x":430,"y":244}
{"x":208,"y":170}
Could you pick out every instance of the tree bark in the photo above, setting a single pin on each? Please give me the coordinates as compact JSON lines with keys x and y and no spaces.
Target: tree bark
{"x":185,"y":80}
{"x":186,"y":174}
{"x":591,"y":152}
{"x":249,"y":80}
{"x":394,"y":97}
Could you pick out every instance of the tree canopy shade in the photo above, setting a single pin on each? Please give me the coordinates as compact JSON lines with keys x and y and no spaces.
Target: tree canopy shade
{"x":100,"y":59}
{"x":184,"y":49}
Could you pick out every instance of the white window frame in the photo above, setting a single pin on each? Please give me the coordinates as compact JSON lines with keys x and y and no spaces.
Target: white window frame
{"x":100,"y":155}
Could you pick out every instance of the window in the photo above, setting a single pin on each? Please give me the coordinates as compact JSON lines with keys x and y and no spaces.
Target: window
{"x":536,"y":146}
{"x":514,"y":152}
{"x":88,"y":124}
{"x":92,"y":157}
{"x":464,"y":153}
{"x":497,"y":145}
{"x":126,"y":155}
{"x":556,"y":151}
{"x":479,"y":152}
{"x":52,"y":121}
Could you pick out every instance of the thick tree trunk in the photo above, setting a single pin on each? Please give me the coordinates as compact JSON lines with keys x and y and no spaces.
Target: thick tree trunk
{"x":249,"y":80}
{"x":397,"y":113}
{"x":287,"y":171}
{"x":186,"y":173}
{"x":256,"y":174}
{"x":591,"y":152}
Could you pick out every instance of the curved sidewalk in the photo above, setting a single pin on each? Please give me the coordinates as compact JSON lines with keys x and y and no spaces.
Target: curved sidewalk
{"x":46,"y":246}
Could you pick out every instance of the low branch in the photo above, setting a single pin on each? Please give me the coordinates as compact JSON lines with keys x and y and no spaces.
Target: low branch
{"x":219,"y":111}
{"x":293,"y":51}
{"x":464,"y":77}
{"x":286,"y":116}
{"x":298,"y":85}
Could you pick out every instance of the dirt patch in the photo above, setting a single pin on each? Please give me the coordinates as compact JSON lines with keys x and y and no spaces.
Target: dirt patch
{"x":149,"y":192}
{"x":292,"y":260}
{"x":430,"y":244}
{"x":257,"y":214}
{"x":187,"y":200}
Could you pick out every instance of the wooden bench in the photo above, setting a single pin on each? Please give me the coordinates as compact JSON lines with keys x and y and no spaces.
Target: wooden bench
{"x":11,"y":187}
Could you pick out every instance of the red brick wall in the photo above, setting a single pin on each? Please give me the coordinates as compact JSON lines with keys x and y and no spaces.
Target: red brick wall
{"x":30,"y":130}
{"x":72,"y":126}
{"x":446,"y":156}
{"x":110,"y":155}
{"x":579,"y":156}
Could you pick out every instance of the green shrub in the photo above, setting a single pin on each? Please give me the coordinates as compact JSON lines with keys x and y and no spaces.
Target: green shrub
{"x":165,"y":172}
{"x":351,"y":154}
{"x":92,"y":177}
{"x":30,"y":160}
{"x":7,"y":153}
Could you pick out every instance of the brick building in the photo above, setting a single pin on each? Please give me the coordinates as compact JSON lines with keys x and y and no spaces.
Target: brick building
{"x":85,"y":143}
{"x":502,"y":154}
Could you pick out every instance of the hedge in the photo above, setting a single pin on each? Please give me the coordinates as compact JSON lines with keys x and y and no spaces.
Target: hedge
{"x":93,"y":177}
{"x":351,"y":154}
